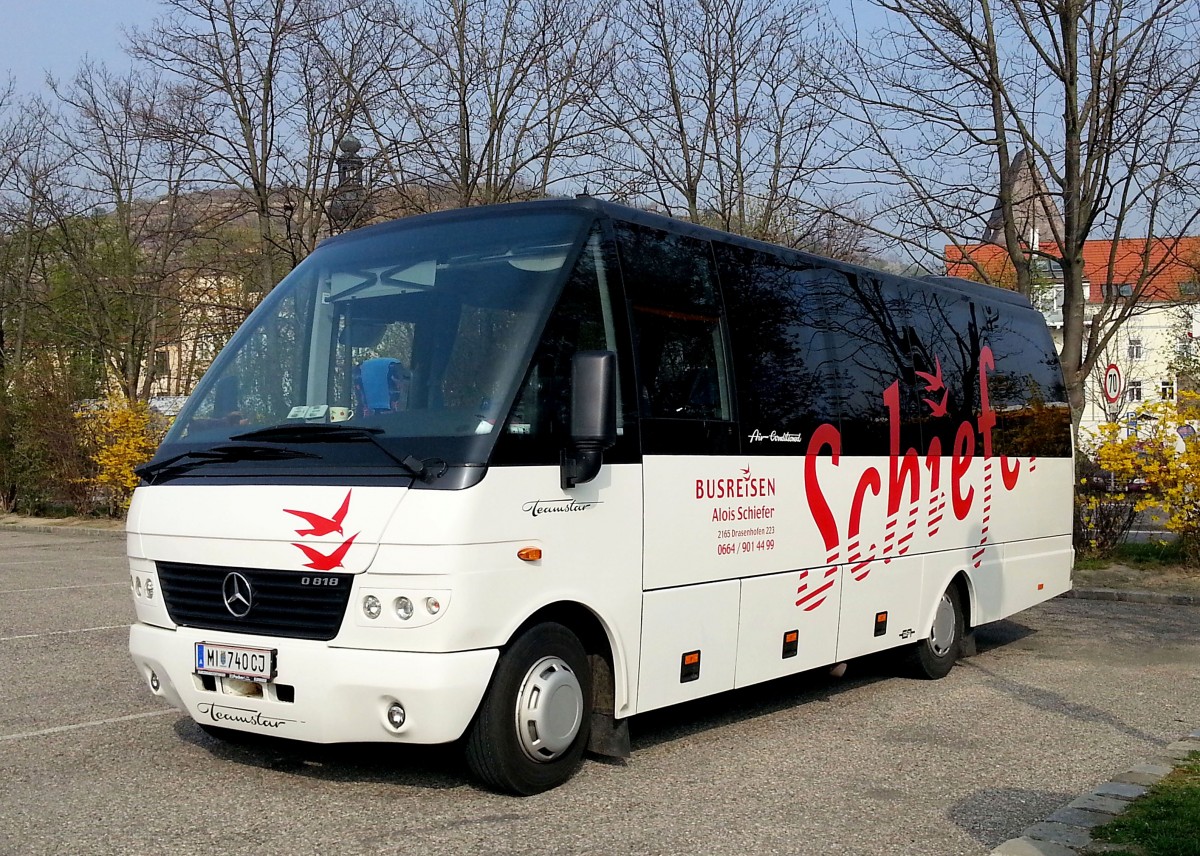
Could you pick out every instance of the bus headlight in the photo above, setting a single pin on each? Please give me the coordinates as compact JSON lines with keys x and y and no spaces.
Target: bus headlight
{"x":409,"y":608}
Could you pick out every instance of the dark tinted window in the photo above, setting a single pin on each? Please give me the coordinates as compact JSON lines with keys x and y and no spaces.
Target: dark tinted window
{"x":1026,"y":388}
{"x":868,"y":320}
{"x":676,"y":321}
{"x":944,"y":343}
{"x":784,"y":372}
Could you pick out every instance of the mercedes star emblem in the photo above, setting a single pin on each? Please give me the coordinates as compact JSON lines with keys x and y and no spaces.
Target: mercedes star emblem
{"x":239,"y":597}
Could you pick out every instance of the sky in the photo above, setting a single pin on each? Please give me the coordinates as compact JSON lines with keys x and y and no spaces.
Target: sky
{"x":54,"y":35}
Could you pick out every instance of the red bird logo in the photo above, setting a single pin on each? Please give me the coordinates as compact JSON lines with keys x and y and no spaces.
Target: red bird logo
{"x":318,"y":561}
{"x":933,"y":383}
{"x":321,"y":526}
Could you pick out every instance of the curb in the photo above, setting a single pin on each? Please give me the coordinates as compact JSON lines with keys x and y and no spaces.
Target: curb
{"x":1156,"y":597}
{"x":1068,"y":832}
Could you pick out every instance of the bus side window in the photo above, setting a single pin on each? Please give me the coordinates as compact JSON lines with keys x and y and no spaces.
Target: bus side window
{"x":867,"y":330}
{"x":784,"y":369}
{"x":944,"y":343}
{"x":677,"y":325}
{"x":677,"y":364}
{"x":539,"y":421}
{"x":1025,"y":386}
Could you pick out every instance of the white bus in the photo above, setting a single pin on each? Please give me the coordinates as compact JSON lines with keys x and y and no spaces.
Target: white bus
{"x":515,"y":474}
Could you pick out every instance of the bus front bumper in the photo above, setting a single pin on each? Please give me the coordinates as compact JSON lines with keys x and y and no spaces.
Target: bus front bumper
{"x":320,"y":694}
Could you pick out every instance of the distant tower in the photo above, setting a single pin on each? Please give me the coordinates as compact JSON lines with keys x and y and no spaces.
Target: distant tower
{"x":1036,"y":214}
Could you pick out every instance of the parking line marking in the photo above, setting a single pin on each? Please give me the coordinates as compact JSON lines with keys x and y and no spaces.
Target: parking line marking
{"x":62,"y":632}
{"x":61,"y":728}
{"x":29,"y":562}
{"x":60,"y":588}
{"x":12,"y":563}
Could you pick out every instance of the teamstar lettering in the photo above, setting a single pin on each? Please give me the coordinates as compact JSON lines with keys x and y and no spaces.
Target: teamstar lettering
{"x":538,"y":507}
{"x":241,"y":716}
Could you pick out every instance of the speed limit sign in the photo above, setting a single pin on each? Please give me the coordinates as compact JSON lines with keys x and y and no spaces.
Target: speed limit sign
{"x":1113,"y":385}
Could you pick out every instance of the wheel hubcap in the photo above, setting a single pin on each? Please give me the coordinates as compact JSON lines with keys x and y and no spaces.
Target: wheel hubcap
{"x":941,"y":638}
{"x":549,"y":709}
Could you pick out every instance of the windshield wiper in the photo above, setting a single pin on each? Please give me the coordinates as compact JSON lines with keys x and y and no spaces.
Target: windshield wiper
{"x":218,"y":454}
{"x":313,"y":432}
{"x":318,"y":432}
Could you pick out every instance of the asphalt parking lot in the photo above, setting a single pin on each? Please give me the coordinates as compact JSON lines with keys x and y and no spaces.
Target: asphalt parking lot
{"x":1058,"y":699}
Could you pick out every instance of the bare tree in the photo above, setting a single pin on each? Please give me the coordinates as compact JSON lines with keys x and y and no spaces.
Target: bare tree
{"x":11,"y":142}
{"x":716,"y":112}
{"x":39,"y":376}
{"x":351,"y":65}
{"x":119,"y":235}
{"x":243,"y":64}
{"x":1099,"y":96}
{"x":484,"y":100}
{"x":29,"y":175}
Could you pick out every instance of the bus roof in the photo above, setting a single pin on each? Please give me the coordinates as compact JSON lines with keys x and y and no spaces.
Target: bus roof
{"x":616,"y":211}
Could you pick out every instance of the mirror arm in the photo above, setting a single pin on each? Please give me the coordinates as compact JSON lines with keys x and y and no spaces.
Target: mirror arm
{"x":580,"y":466}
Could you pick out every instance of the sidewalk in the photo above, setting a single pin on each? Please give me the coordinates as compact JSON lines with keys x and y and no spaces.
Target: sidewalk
{"x":1068,"y":832}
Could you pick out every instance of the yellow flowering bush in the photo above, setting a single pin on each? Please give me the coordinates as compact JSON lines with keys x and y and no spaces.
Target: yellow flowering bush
{"x":1104,"y":514}
{"x":122,"y":436}
{"x":1162,"y":462}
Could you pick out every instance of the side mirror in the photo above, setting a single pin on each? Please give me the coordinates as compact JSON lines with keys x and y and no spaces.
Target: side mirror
{"x":593,"y":416}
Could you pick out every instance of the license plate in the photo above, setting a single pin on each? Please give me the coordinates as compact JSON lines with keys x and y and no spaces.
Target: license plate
{"x":253,"y":664}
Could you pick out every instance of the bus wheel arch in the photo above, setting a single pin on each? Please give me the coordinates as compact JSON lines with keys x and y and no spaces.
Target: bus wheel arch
{"x":562,"y":651}
{"x":532,"y":726}
{"x":936,"y":653}
{"x":597,"y":641}
{"x":966,"y":596}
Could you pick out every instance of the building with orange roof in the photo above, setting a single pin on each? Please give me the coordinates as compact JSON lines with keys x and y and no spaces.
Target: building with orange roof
{"x":1160,"y":276}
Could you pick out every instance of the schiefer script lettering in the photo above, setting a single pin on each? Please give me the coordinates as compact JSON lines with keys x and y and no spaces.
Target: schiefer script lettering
{"x":242,"y":716}
{"x":538,"y":507}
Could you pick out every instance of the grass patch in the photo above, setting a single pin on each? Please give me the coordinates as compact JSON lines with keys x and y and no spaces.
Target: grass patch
{"x":1164,"y":822}
{"x":1150,"y":554}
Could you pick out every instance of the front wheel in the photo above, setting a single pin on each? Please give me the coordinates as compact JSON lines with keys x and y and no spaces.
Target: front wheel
{"x":934,"y":656}
{"x":533,"y":724}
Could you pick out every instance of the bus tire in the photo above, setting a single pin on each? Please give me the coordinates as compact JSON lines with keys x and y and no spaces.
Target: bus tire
{"x":533,"y":724}
{"x":934,"y":656}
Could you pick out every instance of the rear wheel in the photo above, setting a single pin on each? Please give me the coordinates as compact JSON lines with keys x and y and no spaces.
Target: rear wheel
{"x":934,"y":656}
{"x":533,"y":724}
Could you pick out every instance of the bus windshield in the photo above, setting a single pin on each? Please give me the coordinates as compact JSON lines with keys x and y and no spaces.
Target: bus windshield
{"x":417,"y":329}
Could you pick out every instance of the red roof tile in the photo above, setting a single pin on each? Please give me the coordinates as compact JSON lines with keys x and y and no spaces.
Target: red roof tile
{"x":1163,"y":264}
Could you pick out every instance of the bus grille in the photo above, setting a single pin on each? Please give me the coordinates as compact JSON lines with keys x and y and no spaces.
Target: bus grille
{"x":280,"y":604}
